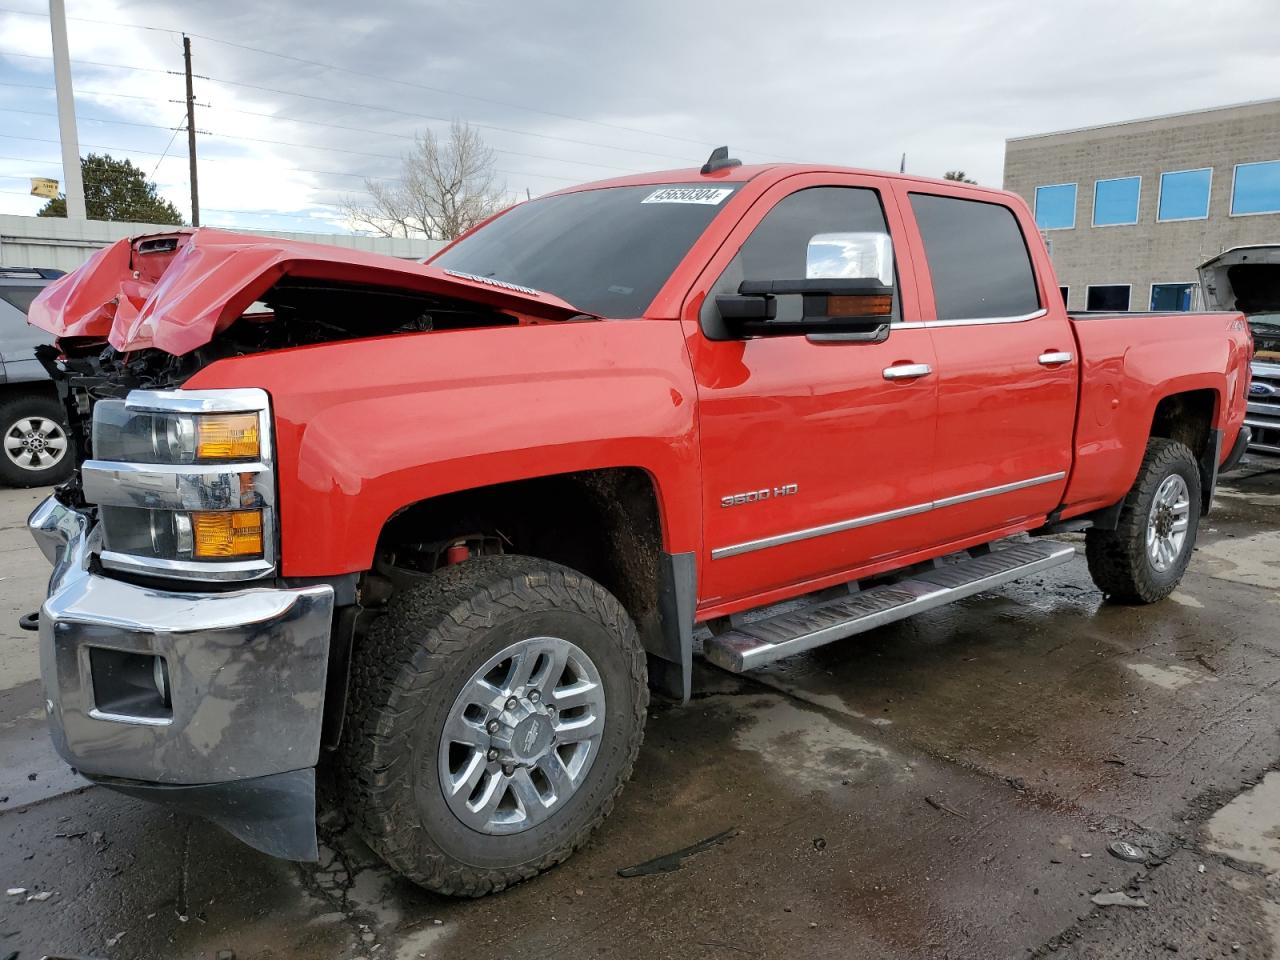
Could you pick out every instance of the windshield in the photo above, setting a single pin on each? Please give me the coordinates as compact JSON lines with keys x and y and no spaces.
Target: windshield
{"x":1266,"y":336}
{"x":607,"y":252}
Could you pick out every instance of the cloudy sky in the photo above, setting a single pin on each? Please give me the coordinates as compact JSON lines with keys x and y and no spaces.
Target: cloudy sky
{"x":305,"y":99}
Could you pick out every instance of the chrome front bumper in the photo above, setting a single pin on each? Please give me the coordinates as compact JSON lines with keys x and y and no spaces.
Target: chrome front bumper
{"x":246,"y":679}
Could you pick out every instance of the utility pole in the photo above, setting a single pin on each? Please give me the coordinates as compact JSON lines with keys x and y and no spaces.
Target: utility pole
{"x":191,"y":130}
{"x":73,"y":183}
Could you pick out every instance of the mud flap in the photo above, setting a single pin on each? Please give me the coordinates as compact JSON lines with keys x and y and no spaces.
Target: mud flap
{"x":1209,"y":461}
{"x":669,"y":643}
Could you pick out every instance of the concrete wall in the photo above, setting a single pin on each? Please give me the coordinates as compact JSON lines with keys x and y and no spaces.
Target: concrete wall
{"x":64,"y":245}
{"x":1147,"y":252}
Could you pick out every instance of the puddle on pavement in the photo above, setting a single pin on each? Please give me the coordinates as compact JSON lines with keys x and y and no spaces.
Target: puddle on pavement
{"x":1170,"y":677}
{"x":1185,"y":599}
{"x":811,"y":749}
{"x":1248,"y":828}
{"x":1253,"y":560}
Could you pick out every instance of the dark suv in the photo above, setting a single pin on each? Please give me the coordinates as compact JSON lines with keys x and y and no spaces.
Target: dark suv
{"x":32,"y":426}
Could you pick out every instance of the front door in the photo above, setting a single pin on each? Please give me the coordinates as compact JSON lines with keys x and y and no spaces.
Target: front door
{"x":815,"y":460}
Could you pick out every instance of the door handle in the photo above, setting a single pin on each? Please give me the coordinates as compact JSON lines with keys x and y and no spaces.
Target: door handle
{"x":907,"y":371}
{"x":1055,"y":358}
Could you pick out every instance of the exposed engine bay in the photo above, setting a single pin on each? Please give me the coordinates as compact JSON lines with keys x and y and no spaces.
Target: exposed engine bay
{"x":293,"y":313}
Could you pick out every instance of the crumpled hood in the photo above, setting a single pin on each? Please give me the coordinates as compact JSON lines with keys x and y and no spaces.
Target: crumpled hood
{"x":1243,"y":278}
{"x":176,"y":291}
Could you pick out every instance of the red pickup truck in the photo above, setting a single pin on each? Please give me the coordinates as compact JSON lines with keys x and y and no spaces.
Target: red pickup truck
{"x":439,"y":527}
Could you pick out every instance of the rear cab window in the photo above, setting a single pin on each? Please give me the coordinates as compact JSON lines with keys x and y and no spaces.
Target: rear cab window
{"x":977,"y":258}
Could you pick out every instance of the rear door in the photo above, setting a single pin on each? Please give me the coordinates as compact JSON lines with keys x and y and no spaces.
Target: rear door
{"x":814,"y":461}
{"x":1006,"y":354}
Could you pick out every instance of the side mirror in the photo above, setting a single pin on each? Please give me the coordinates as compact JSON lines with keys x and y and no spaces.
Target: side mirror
{"x":845,"y":255}
{"x":847,"y":293}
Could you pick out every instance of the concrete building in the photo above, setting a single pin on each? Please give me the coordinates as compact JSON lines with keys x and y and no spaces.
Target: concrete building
{"x":65,"y":244}
{"x":1131,"y":209}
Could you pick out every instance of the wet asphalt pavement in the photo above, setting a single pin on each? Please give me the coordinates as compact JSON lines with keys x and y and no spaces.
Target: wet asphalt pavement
{"x":944,"y":787}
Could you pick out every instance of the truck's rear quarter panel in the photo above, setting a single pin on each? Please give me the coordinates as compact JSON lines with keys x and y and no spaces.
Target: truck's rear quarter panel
{"x":1129,"y":363}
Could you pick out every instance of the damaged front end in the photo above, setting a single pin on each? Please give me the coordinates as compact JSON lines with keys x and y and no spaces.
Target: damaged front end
{"x":179,"y":664}
{"x":210,"y":702}
{"x":1248,"y":279}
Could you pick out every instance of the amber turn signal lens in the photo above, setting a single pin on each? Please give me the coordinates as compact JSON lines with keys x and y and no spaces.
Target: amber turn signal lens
{"x":875,"y":305}
{"x":227,"y":437}
{"x":222,"y":534}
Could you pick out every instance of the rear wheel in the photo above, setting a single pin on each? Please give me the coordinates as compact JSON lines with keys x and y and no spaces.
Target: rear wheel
{"x":34,"y":442}
{"x":495,"y":714}
{"x":1144,"y":558}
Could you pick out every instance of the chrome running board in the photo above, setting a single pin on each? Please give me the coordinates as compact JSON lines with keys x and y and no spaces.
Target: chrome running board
{"x":750,"y":645}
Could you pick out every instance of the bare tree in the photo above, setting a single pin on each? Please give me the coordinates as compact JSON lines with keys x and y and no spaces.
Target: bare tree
{"x":445,"y":188}
{"x":958,"y":176}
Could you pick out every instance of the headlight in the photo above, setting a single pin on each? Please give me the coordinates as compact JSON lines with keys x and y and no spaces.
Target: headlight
{"x":184,"y":483}
{"x":128,"y":435}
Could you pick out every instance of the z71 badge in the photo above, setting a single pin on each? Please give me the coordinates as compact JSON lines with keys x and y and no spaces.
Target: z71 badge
{"x":755,"y":496}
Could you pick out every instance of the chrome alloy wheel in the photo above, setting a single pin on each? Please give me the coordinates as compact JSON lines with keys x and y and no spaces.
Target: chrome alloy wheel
{"x":521,"y":736}
{"x":35,"y":443}
{"x":1167,"y":522}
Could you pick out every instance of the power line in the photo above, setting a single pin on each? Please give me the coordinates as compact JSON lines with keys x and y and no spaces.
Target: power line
{"x":183,"y":157}
{"x":176,"y":131}
{"x":385,"y":79}
{"x":86,"y":93}
{"x":80,"y":62}
{"x":319,"y":123}
{"x":279,"y":143}
{"x":122,"y":123}
{"x":428,"y":116}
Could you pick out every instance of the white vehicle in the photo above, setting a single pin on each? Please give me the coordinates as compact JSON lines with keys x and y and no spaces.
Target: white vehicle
{"x":1248,"y":279}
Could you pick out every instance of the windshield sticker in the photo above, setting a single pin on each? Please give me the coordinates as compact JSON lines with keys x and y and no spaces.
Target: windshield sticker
{"x":490,"y":282}
{"x":707,"y":195}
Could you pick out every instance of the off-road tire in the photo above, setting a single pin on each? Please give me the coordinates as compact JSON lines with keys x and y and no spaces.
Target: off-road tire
{"x":19,"y":406}
{"x":407,"y":672}
{"x":1118,"y":561}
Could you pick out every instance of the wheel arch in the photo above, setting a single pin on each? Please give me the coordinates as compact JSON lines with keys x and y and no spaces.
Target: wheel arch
{"x":607,"y":523}
{"x":1190,"y":417}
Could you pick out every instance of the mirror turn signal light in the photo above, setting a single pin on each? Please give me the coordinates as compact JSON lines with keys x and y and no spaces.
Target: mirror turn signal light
{"x":227,"y":437}
{"x":223,"y":534}
{"x":874,"y":305}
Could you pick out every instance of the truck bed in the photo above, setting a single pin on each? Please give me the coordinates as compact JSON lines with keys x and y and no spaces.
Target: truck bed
{"x":1128,"y":361}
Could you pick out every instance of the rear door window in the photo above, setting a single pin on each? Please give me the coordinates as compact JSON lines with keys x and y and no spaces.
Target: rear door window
{"x":978,"y":258}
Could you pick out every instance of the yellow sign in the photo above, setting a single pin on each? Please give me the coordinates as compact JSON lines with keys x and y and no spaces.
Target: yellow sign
{"x":44,"y":187}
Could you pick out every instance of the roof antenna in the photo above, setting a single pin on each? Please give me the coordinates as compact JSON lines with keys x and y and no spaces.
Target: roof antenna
{"x":720,"y":160}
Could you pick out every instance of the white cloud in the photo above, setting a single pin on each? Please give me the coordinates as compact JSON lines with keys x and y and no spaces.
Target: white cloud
{"x":838,"y":81}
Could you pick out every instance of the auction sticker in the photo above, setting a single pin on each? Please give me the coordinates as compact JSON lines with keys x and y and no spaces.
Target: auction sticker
{"x":708,"y":195}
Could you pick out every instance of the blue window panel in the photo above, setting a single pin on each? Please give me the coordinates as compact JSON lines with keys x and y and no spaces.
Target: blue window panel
{"x":1116,"y":201}
{"x":1056,"y":207}
{"x":1257,"y":188}
{"x":1184,"y":194}
{"x":1171,"y":296}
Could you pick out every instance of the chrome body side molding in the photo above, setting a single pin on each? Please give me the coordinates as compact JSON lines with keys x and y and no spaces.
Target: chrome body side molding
{"x":720,"y":553}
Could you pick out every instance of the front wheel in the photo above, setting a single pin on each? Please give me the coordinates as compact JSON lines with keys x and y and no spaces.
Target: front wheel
{"x":1144,"y":558}
{"x":496,"y":711}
